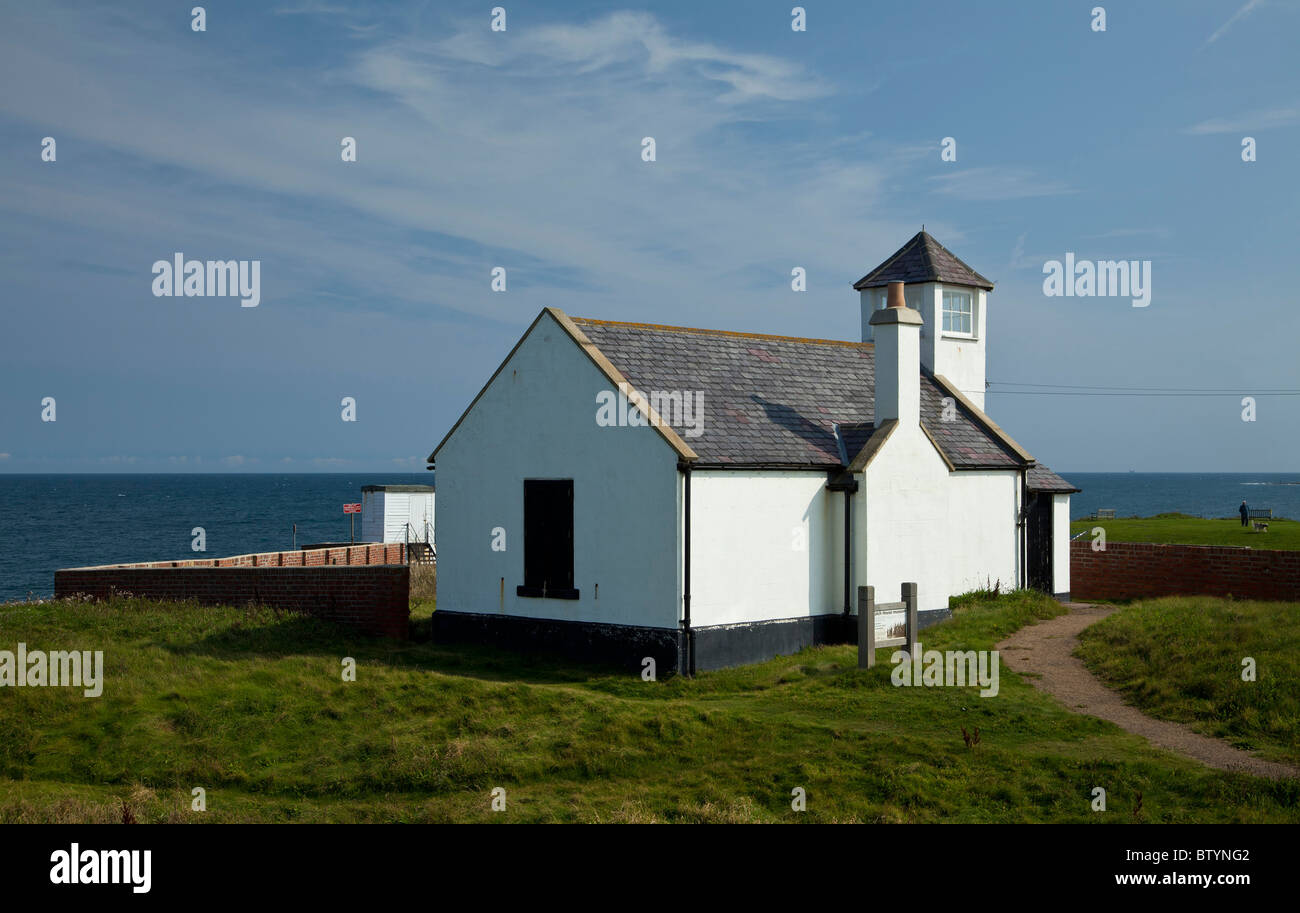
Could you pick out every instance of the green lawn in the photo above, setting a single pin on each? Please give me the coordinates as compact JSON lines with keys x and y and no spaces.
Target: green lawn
{"x":1180,"y":528}
{"x":1180,"y":658}
{"x":250,"y":706}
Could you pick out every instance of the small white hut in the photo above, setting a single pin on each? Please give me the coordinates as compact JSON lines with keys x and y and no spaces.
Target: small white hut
{"x":397,"y":513}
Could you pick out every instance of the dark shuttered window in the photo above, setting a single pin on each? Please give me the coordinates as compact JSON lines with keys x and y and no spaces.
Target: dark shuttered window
{"x":548,"y":539}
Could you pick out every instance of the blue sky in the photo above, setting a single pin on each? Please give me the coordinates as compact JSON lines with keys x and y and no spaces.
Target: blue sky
{"x":521,"y":149}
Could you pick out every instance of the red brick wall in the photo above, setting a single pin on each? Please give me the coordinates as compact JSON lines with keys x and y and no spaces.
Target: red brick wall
{"x":365,"y":586}
{"x":368,"y":553}
{"x":1132,"y":570}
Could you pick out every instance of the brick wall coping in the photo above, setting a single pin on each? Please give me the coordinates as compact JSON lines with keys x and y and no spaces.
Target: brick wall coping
{"x":372,"y":553}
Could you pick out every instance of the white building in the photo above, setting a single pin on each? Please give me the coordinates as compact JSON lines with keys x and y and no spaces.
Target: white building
{"x":397,"y":513}
{"x":710,"y":498}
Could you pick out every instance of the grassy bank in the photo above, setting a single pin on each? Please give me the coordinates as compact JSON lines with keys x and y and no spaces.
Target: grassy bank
{"x":1185,"y":530}
{"x":251,"y":707}
{"x":1180,"y":659}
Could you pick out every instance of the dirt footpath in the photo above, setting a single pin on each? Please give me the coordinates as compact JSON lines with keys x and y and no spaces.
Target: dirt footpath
{"x":1043,"y":652}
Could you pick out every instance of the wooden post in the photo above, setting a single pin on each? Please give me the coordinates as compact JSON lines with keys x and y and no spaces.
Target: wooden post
{"x":909,"y":599}
{"x":866,"y":627}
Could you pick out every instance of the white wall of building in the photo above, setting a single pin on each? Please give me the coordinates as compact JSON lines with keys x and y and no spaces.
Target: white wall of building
{"x":1061,"y":543}
{"x":384,"y":515}
{"x":372,"y":516}
{"x":870,"y":300}
{"x":421,"y":514}
{"x":948,"y":531}
{"x":957,"y":358}
{"x":764,"y":546}
{"x":537,"y":419}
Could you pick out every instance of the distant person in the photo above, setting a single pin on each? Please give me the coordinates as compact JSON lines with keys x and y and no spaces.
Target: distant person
{"x":1245,"y":513}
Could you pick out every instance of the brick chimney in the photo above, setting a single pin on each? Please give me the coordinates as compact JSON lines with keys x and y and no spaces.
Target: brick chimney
{"x":896,"y":330}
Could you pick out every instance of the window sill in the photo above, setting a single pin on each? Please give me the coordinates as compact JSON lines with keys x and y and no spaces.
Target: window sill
{"x":536,"y":592}
{"x":949,"y":334}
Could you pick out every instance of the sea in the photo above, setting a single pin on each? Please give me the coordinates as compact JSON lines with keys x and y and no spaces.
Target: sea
{"x":54,"y":521}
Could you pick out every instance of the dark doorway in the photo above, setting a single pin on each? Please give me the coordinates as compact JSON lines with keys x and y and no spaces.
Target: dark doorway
{"x":548,"y":539}
{"x":1038,"y":529}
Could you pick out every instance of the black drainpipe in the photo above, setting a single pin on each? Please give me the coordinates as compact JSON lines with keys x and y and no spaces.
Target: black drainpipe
{"x":1024,"y":525}
{"x":688,"y":660}
{"x":848,"y":485}
{"x":848,"y":552}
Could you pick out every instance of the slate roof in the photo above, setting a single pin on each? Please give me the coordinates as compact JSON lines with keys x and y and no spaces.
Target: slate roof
{"x":855,"y":436}
{"x":923,"y":259}
{"x":1040,"y":478}
{"x":775,"y":400}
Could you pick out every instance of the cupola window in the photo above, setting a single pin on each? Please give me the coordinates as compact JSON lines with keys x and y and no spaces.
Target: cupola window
{"x":958,"y":313}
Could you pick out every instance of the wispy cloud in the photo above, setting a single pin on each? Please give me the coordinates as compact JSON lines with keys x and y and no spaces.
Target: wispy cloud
{"x":1246,"y":9}
{"x":636,"y":43}
{"x":1255,"y":120}
{"x":991,"y":183}
{"x":312,"y":8}
{"x":445,"y":149}
{"x":1132,"y":233}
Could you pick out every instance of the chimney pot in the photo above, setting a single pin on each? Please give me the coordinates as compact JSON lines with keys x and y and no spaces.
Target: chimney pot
{"x":896,"y":298}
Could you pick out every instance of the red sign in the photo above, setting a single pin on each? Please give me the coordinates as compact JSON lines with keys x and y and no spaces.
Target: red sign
{"x":352,"y":508}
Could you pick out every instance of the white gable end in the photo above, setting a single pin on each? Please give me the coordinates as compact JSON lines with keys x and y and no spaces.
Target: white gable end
{"x":948,"y":531}
{"x":536,"y":419}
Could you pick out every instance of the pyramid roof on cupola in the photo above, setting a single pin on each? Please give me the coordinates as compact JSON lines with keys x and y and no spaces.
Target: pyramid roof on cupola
{"x":923,"y":259}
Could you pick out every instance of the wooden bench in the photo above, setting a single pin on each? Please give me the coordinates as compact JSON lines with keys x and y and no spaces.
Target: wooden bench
{"x":1106,"y":514}
{"x":1258,"y":515}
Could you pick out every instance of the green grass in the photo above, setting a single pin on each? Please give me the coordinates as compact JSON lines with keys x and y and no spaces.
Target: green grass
{"x":1180,"y":658}
{"x":250,"y":706}
{"x":1185,"y":530}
